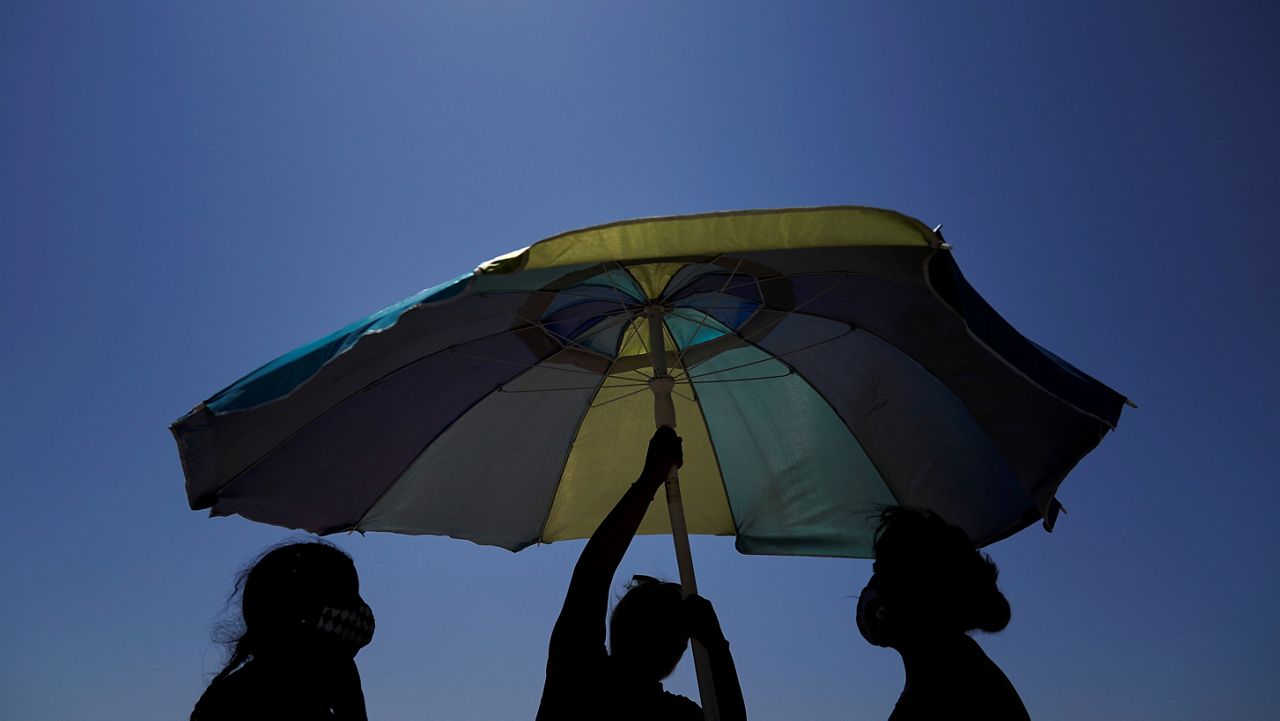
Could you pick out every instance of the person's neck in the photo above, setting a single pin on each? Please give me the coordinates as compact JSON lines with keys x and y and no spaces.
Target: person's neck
{"x":634,"y":679}
{"x":296,"y":664}
{"x":920,"y":655}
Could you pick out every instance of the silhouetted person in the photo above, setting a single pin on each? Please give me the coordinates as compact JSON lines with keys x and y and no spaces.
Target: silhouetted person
{"x":304,"y":621}
{"x":649,"y":630}
{"x":929,"y":588}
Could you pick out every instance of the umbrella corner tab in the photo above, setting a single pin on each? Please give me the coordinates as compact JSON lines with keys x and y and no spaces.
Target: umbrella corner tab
{"x":942,"y":243}
{"x":1051,"y":515}
{"x":505,"y":263}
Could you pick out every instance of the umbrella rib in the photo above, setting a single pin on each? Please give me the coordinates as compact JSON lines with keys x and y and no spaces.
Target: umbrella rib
{"x":886,"y":341}
{"x":667,"y":291}
{"x":631,"y":330}
{"x":449,"y":349}
{"x":603,"y":327}
{"x":771,"y":356}
{"x":504,"y":361}
{"x":845,"y":276}
{"x":792,"y":370}
{"x":642,"y":389}
{"x":642,"y":379}
{"x":563,"y":339}
{"x":842,"y":274}
{"x":840,"y":277}
{"x":552,"y":390}
{"x":564,"y":370}
{"x":613,"y":320}
{"x":748,"y":283}
{"x":624,"y":307}
{"x":624,"y":381}
{"x":790,"y":311}
{"x":728,"y":285}
{"x":684,"y":371}
{"x":709,"y":307}
{"x":701,"y":323}
{"x":581,"y":316}
{"x":715,"y":455}
{"x":702,"y":379}
{"x":712,"y":264}
{"x":754,"y":281}
{"x":623,"y":293}
{"x":642,"y":376}
{"x":549,"y":292}
{"x":504,"y":389}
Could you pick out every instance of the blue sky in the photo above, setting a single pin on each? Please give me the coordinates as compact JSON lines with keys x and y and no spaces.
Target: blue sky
{"x":190,"y":190}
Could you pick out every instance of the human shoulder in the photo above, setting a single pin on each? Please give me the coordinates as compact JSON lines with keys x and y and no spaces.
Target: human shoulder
{"x":243,"y":694}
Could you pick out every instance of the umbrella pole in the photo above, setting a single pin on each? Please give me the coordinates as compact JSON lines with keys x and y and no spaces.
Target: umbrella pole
{"x":664,"y":414}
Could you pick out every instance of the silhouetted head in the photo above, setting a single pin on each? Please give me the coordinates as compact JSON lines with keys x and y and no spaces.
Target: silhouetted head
{"x":647,"y":633}
{"x":301,"y":600}
{"x":928,"y":579}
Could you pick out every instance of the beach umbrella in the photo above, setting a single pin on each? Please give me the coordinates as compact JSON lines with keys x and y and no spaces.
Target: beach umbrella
{"x":820,"y":363}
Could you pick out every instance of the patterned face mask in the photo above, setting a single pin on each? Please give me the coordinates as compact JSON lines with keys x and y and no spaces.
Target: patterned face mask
{"x":351,"y":627}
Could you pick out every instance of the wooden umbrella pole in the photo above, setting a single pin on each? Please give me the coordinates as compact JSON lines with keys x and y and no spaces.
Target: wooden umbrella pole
{"x":664,"y":414}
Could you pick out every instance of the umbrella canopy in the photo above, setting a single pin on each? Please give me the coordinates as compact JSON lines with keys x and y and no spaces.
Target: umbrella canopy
{"x":827,"y":362}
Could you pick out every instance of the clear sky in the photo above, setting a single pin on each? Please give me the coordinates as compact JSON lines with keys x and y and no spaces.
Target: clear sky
{"x":188,"y":190}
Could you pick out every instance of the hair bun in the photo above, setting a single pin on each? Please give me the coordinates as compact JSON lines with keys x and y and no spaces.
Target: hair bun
{"x":993,"y":612}
{"x":987,"y":610}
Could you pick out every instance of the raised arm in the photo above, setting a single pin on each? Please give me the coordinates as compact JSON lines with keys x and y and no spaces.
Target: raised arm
{"x":582,"y":619}
{"x":705,"y":626}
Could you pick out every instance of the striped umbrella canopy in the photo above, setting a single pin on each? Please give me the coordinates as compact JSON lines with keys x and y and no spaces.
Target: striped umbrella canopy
{"x":827,"y":363}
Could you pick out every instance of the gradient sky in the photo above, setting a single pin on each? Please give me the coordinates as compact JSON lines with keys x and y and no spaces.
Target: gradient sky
{"x":188,"y":190}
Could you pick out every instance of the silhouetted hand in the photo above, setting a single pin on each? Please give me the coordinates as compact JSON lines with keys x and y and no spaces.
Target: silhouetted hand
{"x":700,"y":620}
{"x":665,"y":453}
